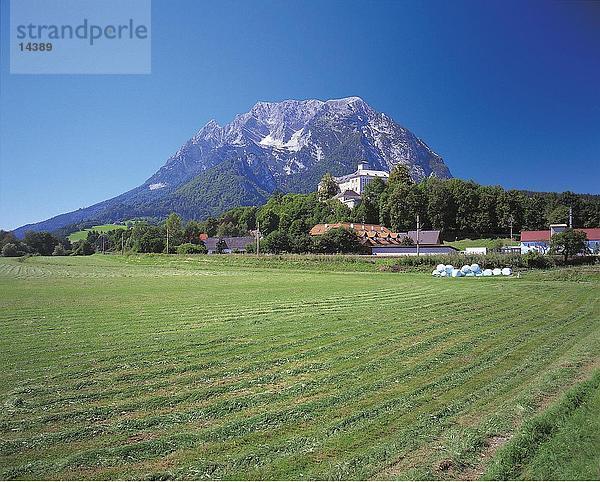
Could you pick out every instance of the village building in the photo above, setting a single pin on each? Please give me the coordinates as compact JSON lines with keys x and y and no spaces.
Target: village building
{"x":349,"y":198}
{"x":352,"y":185}
{"x":361,"y":229}
{"x":540,"y":240}
{"x":381,"y":241}
{"x":236,"y":244}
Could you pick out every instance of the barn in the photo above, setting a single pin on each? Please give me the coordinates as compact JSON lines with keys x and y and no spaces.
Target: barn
{"x":234,"y":244}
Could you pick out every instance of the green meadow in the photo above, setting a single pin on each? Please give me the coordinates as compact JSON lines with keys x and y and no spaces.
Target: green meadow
{"x":233,"y":367}
{"x":101,"y":228}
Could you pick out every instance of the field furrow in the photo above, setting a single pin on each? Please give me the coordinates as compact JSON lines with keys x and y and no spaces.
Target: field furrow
{"x":148,"y":367}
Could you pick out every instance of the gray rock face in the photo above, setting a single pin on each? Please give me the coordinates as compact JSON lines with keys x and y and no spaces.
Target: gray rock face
{"x":285,"y":145}
{"x":291,"y":139}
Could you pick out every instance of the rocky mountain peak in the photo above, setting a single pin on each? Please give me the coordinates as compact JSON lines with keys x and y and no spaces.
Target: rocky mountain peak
{"x":285,"y":145}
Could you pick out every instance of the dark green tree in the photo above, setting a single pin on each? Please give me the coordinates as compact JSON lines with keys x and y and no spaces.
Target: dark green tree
{"x":301,"y":243}
{"x":403,"y":204}
{"x":189,"y":248}
{"x":400,"y":175}
{"x":59,"y":250}
{"x":534,"y":217}
{"x":338,"y":240}
{"x":441,"y":208}
{"x":268,"y":219}
{"x":277,"y":242}
{"x":368,"y":210}
{"x":10,"y":250}
{"x":83,"y":248}
{"x":192,"y":231}
{"x":230,"y":229}
{"x":327,"y":187}
{"x":175,"y":231}
{"x":569,"y":243}
{"x":558,"y":215}
{"x":41,"y":242}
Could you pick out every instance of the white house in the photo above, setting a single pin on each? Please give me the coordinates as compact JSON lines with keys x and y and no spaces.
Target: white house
{"x":540,"y":240}
{"x":349,"y":198}
{"x":360,"y":178}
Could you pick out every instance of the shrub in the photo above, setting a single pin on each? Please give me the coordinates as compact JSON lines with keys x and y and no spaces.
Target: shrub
{"x":189,"y":248}
{"x":10,"y":250}
{"x":59,"y":250}
{"x":83,"y":248}
{"x":533,"y":259}
{"x":338,"y":240}
{"x":277,"y":242}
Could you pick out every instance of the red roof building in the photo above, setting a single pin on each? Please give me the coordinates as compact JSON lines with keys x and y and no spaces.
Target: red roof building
{"x":593,"y":234}
{"x":540,"y":240}
{"x":379,"y":240}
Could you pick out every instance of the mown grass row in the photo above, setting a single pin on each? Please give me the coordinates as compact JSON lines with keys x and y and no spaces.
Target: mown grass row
{"x":561,"y":443}
{"x":272,"y":373}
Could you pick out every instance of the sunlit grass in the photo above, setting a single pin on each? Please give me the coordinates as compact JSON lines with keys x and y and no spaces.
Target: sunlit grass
{"x":233,"y":367}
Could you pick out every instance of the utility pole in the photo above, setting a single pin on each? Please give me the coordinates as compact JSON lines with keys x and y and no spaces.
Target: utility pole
{"x":122,"y":244}
{"x":571,"y":217}
{"x":167,"y":239}
{"x":511,"y":220}
{"x":418,"y":228}
{"x":257,"y":238}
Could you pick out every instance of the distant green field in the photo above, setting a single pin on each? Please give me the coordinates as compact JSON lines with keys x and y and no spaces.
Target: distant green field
{"x":461,"y":244}
{"x":102,"y":228}
{"x":244,"y":368}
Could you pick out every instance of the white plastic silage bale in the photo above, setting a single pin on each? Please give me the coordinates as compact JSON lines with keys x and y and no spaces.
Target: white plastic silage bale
{"x":466,"y":269}
{"x":444,"y":274}
{"x":506,"y":271}
{"x":496,"y":271}
{"x":470,"y":273}
{"x":456,"y":273}
{"x":479,"y":273}
{"x":487,"y":272}
{"x":440,"y":268}
{"x":435,"y":272}
{"x":449,"y":268}
{"x":475,"y":268}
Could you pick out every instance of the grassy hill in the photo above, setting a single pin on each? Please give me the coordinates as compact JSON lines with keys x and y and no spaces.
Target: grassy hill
{"x":228,"y":367}
{"x":102,"y":228}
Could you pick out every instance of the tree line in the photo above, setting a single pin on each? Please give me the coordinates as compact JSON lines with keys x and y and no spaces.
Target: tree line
{"x":460,"y":209}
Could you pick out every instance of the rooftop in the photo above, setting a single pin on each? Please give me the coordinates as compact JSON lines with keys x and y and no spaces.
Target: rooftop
{"x":348,"y":193}
{"x":375,"y":234}
{"x":319,"y":229}
{"x":593,"y":234}
{"x":362,"y":172}
{"x":237,"y":243}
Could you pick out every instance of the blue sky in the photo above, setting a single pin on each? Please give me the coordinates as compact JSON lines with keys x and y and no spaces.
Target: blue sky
{"x":506,"y":92}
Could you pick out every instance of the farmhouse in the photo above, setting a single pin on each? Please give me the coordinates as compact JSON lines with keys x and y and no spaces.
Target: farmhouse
{"x":228,"y":244}
{"x":381,"y":241}
{"x":540,"y":240}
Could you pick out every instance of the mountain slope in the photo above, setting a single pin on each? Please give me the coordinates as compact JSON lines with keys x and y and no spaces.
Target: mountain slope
{"x":285,"y":145}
